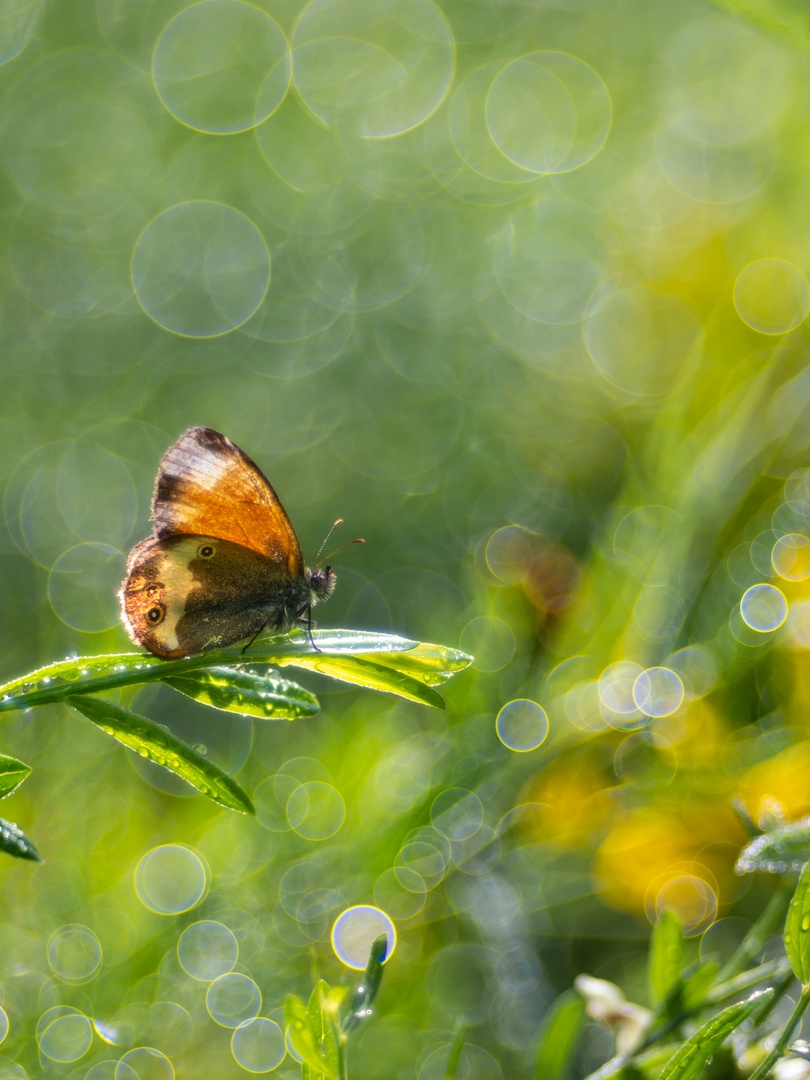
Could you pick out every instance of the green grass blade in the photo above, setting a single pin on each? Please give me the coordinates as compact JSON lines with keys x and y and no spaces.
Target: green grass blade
{"x":797,"y":928}
{"x":14,"y":842}
{"x":367,"y":673}
{"x":454,"y":1058}
{"x":558,"y":1041}
{"x":687,"y":1062}
{"x":12,"y":774}
{"x":362,"y":997}
{"x":153,"y":742}
{"x":665,"y":959}
{"x":247,"y":693}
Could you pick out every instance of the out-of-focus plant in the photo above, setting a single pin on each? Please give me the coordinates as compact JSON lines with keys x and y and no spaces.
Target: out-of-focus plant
{"x":316,"y":1030}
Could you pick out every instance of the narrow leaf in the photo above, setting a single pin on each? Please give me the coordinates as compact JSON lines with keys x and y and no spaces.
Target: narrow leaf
{"x":14,"y":842}
{"x":153,"y":742}
{"x":558,"y":1041}
{"x":454,"y":1056}
{"x":778,"y":851}
{"x":12,"y":774}
{"x":361,"y":998}
{"x":321,"y":1023}
{"x":430,"y":664}
{"x":666,"y":957}
{"x":797,"y":928}
{"x":246,"y":693}
{"x":696,"y":983}
{"x":688,"y":1061}
{"x":303,"y":1037}
{"x":368,"y":673}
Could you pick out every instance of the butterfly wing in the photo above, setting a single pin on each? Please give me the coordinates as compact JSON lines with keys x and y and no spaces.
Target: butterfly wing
{"x":185,"y":594}
{"x":207,"y":486}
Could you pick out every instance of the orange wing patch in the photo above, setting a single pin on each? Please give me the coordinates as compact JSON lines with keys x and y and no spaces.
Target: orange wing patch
{"x":207,"y":486}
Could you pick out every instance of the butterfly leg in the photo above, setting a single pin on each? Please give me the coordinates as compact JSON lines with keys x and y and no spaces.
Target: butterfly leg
{"x":309,"y":629}
{"x":261,"y":630}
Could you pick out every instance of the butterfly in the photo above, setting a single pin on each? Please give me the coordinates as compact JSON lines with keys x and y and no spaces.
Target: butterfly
{"x":223,"y":562}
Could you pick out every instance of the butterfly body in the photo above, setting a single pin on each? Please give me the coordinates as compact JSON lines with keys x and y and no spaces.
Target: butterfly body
{"x":223,"y":563}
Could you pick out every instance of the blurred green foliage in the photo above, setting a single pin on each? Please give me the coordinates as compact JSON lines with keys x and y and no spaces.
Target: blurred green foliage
{"x":519,"y":290}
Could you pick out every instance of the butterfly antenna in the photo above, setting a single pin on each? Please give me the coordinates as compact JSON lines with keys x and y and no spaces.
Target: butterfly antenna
{"x":331,"y":553}
{"x":326,"y":539}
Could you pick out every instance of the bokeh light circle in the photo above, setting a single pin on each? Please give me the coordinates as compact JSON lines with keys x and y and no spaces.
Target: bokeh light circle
{"x":270,"y":799}
{"x":509,"y":554}
{"x":233,"y":999}
{"x":170,"y":879}
{"x":64,"y":1034}
{"x":616,"y":686}
{"x":522,"y":725}
{"x":422,"y":861}
{"x":551,"y":256}
{"x":772,"y":296}
{"x":457,"y":813}
{"x":391,"y":895}
{"x":658,"y":691}
{"x":4,"y":1025}
{"x":18,"y":21}
{"x":355,"y":931}
{"x":790,"y":557}
{"x":207,"y":949}
{"x":692,"y":899}
{"x":200,"y":269}
{"x":797,"y":492}
{"x":490,"y":641}
{"x":316,"y":810}
{"x":717,"y":142}
{"x":144,"y":1063}
{"x":697,"y":668}
{"x":470,"y":134}
{"x":74,"y":953}
{"x":797,"y":624}
{"x":258,"y":1045}
{"x":73,"y":587}
{"x":221,"y":66}
{"x":371,"y":69}
{"x":548,"y":112}
{"x":763,"y":608}
{"x":645,"y":759}
{"x":643,"y":339}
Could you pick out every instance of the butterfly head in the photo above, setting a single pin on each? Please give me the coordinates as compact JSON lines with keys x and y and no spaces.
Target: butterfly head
{"x":322,"y":583}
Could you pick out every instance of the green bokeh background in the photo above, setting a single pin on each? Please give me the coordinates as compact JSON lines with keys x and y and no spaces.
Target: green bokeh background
{"x":518,"y":290}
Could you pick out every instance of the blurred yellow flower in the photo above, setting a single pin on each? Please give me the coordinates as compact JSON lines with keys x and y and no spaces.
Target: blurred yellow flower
{"x":649,"y":860}
{"x":575,"y":799}
{"x":778,"y":785}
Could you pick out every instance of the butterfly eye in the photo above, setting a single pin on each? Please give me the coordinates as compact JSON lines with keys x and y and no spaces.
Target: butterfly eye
{"x":155,"y":615}
{"x":206,"y":551}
